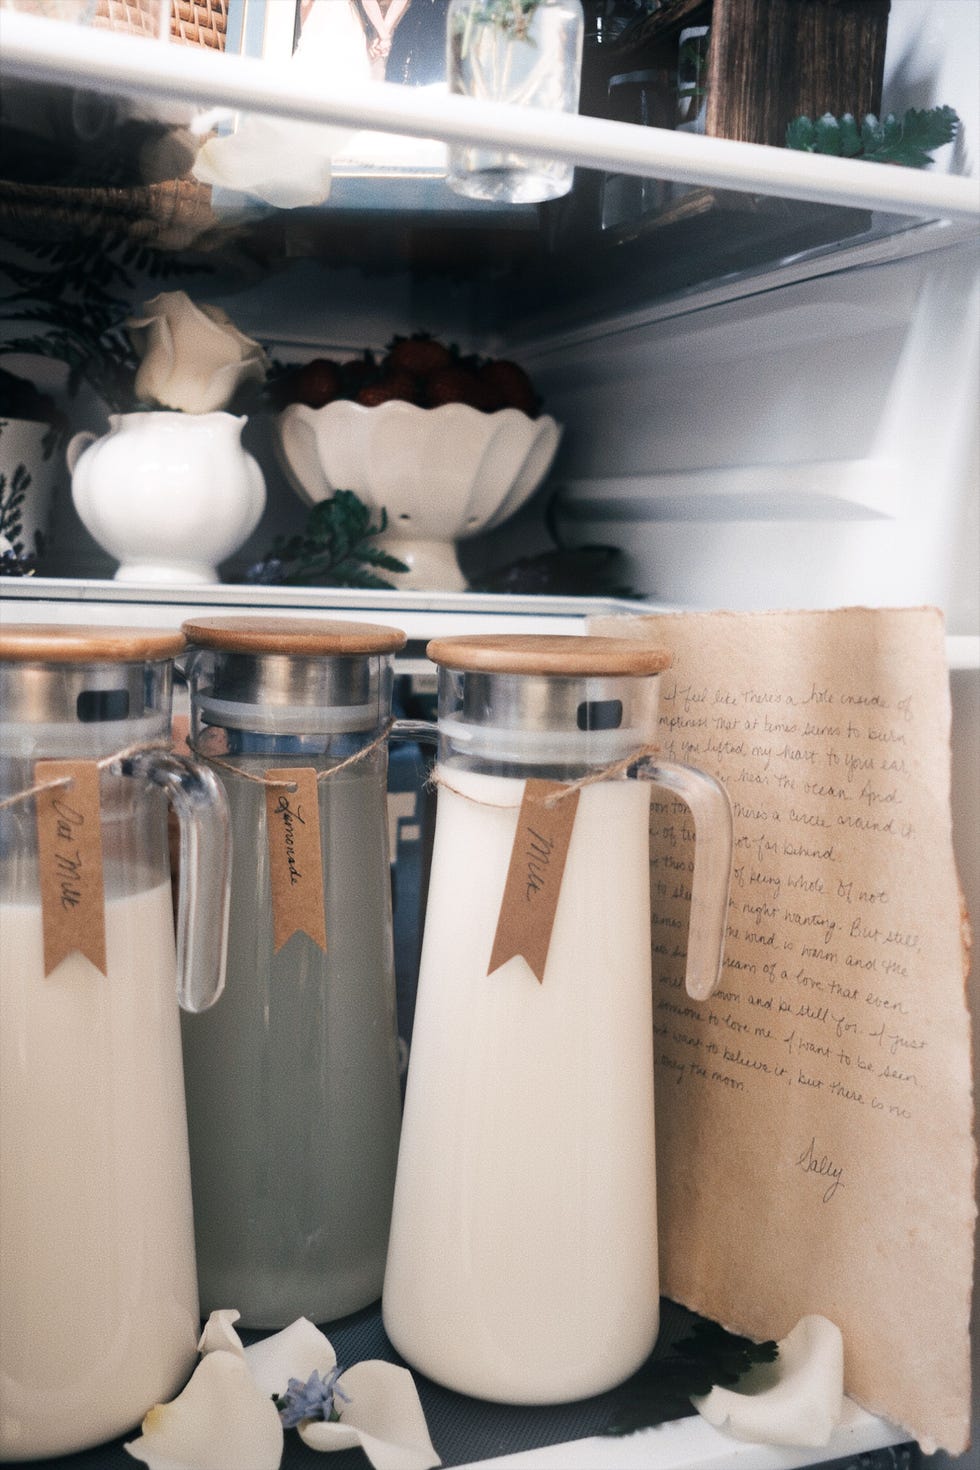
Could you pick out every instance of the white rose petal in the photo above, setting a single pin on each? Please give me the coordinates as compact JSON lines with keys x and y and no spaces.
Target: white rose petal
{"x":384,"y":1416}
{"x":219,"y":1334}
{"x":225,"y":1419}
{"x":320,"y":1434}
{"x":193,"y":358}
{"x":795,"y":1401}
{"x":292,"y":1353}
{"x":221,"y":1420}
{"x":282,"y":163}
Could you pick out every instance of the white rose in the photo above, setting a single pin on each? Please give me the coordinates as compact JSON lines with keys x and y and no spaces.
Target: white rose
{"x":193,"y":357}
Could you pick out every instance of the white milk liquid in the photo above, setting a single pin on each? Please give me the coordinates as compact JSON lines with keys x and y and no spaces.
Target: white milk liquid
{"x":522,"y":1264}
{"x":98,"y":1296}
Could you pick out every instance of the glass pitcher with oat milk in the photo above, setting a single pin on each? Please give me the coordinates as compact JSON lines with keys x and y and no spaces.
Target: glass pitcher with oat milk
{"x":98,"y":1289}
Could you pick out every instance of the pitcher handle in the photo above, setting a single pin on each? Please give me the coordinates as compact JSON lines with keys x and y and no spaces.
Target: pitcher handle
{"x":204,"y":879}
{"x":711,"y":810}
{"x":76,"y":444}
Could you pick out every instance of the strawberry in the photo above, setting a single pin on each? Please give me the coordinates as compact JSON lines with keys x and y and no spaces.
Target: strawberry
{"x":357,"y":373}
{"x":399,"y":385}
{"x":315,"y":384}
{"x":509,"y":386}
{"x":454,"y":385}
{"x":419,"y":355}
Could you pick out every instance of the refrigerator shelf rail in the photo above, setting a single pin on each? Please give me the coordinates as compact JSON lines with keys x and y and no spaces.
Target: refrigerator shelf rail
{"x":44,"y":51}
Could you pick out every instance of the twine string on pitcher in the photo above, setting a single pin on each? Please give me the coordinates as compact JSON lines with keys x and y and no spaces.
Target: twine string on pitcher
{"x":271,"y":781}
{"x":569,"y":788}
{"x":127,"y":752}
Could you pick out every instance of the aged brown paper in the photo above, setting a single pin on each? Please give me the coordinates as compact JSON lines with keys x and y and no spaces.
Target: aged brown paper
{"x":69,"y":840}
{"x":814,"y":1115}
{"x":295,"y":857}
{"x":534,"y":874}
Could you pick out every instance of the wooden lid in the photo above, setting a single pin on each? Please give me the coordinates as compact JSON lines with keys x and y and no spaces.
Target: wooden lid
{"x":548,"y":653}
{"x":310,"y":636}
{"x":51,"y":643}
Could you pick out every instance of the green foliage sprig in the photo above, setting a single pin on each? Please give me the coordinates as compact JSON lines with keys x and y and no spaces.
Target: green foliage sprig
{"x":74,"y":295}
{"x":663,"y":1388}
{"x":909,"y":140}
{"x":333,"y":549}
{"x":511,"y":16}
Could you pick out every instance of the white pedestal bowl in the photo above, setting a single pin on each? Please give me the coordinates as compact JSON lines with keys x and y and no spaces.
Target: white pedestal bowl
{"x":441,"y":474}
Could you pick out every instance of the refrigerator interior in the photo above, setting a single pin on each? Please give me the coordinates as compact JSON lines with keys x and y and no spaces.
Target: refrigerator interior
{"x":777,"y":411}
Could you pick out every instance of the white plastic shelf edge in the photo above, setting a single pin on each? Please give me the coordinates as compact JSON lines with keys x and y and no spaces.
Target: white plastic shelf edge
{"x":44,"y":50}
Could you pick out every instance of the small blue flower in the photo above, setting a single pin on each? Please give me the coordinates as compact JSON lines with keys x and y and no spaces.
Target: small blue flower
{"x":313,"y":1399}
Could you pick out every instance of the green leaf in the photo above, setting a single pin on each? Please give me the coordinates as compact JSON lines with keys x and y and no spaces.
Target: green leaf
{"x":801,"y":134}
{"x":909,"y":140}
{"x":850,"y":138}
{"x":827,"y":138}
{"x":333,"y":550}
{"x":383,"y":559}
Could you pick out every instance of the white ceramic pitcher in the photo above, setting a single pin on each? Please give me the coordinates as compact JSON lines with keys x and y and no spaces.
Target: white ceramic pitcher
{"x":171,"y":495}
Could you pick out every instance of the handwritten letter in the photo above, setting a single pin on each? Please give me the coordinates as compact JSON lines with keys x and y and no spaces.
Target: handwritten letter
{"x":814,"y":1116}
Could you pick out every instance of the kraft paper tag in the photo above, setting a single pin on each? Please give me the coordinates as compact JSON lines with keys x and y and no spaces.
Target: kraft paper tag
{"x":537,"y":861}
{"x":69,"y":839}
{"x":295,"y":862}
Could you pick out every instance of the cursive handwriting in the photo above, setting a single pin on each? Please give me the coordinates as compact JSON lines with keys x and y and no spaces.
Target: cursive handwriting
{"x":68,"y":865}
{"x":538,"y":858}
{"x":824,"y":1168}
{"x":289,"y":817}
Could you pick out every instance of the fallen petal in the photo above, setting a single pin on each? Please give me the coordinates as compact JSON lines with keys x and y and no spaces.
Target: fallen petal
{"x":220,"y":1420}
{"x":385,"y":1416}
{"x":286,"y":164}
{"x":292,"y":1353}
{"x":328,"y":1436}
{"x":795,"y":1401}
{"x":219,"y":1334}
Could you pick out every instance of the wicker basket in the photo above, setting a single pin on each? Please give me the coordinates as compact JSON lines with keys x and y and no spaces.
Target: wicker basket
{"x":174,"y":214}
{"x":193,"y":22}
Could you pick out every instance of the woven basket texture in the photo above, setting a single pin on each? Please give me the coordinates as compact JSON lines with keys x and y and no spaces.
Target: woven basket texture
{"x":192,"y":22}
{"x":171,"y":215}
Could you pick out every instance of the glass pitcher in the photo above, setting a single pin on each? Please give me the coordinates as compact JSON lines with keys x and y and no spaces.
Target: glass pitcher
{"x":529,"y":55}
{"x":98,"y":1291}
{"x":522,"y":1262}
{"x":293,"y":1088}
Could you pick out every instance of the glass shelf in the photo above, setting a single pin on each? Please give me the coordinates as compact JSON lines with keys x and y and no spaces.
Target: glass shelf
{"x":655,"y":214}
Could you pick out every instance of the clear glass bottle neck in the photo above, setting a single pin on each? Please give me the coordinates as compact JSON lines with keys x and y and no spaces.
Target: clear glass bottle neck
{"x":278,"y":704}
{"x":558,"y":727}
{"x":81,"y":711}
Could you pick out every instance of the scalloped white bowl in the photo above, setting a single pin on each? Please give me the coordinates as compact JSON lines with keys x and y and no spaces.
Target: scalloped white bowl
{"x":441,"y":474}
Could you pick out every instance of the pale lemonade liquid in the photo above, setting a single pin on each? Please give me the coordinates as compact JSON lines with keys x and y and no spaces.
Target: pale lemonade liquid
{"x":523,"y":1257}
{"x":292,"y":1078}
{"x":98,"y":1301}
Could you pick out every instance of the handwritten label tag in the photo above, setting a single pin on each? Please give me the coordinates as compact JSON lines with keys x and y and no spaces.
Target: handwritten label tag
{"x":537,"y":862}
{"x":295,"y":862}
{"x":69,"y":839}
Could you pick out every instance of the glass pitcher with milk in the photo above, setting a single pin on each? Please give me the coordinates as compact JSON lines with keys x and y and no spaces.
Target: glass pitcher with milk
{"x":522,"y":1263}
{"x":98,"y":1291}
{"x":293,"y":1085}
